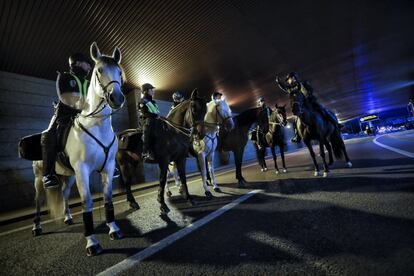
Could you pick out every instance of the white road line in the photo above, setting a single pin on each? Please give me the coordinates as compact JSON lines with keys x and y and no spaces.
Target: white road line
{"x":400,"y":151}
{"x":156,"y":247}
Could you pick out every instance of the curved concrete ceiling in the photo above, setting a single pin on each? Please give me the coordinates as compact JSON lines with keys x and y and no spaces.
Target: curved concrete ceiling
{"x":357,"y":54}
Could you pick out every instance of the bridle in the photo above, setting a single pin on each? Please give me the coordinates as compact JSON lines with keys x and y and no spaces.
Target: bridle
{"x":94,"y":114}
{"x":219,"y":116}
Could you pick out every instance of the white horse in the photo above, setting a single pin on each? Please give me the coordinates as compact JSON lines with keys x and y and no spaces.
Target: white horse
{"x":92,"y":144}
{"x":218,"y":115}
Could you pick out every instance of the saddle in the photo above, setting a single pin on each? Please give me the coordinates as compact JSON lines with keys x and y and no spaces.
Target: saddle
{"x":130,"y":139}
{"x":30,"y":147}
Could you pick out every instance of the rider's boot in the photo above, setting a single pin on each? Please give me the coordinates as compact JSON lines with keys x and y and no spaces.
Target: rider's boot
{"x":49,"y":152}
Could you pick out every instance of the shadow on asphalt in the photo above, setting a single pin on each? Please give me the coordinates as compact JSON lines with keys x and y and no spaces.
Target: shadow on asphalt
{"x":304,"y":226}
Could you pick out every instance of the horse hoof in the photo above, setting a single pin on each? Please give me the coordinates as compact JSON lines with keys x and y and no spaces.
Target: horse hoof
{"x":94,"y":250}
{"x":181,"y":191}
{"x":316,"y":173}
{"x":117,"y":235}
{"x":285,"y":170}
{"x":217,"y":190}
{"x":325,"y":174}
{"x":164,"y":209}
{"x":169,"y":194}
{"x":134,"y":205}
{"x":277,"y":172}
{"x":68,"y":221}
{"x":191,"y":202}
{"x":349,"y":164}
{"x":208,"y":194}
{"x":242,"y":184}
{"x":37,"y":232}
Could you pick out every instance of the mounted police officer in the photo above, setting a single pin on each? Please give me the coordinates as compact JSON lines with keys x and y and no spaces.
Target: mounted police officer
{"x":177,"y":99}
{"x":149,"y":112}
{"x":71,"y":88}
{"x":293,"y":83}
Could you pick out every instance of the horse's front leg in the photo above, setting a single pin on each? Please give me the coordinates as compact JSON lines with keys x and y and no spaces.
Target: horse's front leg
{"x":282,"y":155}
{"x":210,"y":165}
{"x":67,"y":186}
{"x":272,"y":149}
{"x":163,"y":165}
{"x":322,"y":154}
{"x":201,"y":159}
{"x":107,"y":177}
{"x":238,"y":157}
{"x":82,"y":173}
{"x":312,"y":153}
{"x":181,"y":171}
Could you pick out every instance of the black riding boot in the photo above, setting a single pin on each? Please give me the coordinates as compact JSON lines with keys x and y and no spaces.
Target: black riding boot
{"x":147,"y":153}
{"x":296,"y":138}
{"x":49,"y":152}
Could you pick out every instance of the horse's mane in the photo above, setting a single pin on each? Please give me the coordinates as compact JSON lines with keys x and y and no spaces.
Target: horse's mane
{"x":247,"y":117}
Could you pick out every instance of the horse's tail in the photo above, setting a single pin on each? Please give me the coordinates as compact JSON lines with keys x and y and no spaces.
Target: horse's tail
{"x":337,"y":144}
{"x":54,"y":197}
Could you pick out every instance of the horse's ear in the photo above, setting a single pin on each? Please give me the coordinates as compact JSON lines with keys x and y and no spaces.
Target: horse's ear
{"x":117,"y":55}
{"x":95,"y":53}
{"x":194,"y":94}
{"x":276,"y":105}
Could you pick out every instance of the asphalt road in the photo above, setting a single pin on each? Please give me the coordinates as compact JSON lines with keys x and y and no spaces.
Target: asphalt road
{"x":357,"y":221}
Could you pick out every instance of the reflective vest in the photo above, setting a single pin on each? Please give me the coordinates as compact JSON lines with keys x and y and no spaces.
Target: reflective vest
{"x":152,"y":107}
{"x":83,"y":87}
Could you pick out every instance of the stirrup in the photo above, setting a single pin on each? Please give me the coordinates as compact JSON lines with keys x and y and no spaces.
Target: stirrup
{"x":50,"y":181}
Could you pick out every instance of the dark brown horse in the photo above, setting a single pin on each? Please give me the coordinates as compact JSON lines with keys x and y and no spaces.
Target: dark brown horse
{"x":274,"y":137}
{"x":236,"y":139}
{"x":170,"y":140}
{"x":311,"y":125}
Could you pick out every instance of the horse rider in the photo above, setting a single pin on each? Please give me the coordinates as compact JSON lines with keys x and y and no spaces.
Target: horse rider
{"x":262,"y":105}
{"x":292,"y":83}
{"x":149,"y":112}
{"x":177,"y":99}
{"x":71,"y":88}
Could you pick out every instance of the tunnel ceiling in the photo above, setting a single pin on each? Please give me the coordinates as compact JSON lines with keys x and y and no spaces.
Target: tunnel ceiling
{"x":358,"y":55}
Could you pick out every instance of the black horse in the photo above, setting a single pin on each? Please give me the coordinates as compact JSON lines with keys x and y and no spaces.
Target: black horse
{"x":170,"y":140}
{"x":274,"y":137}
{"x":311,"y":125}
{"x":236,"y":139}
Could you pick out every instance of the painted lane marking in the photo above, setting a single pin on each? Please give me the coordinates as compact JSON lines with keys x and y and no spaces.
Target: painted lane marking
{"x":156,"y":247}
{"x":400,"y":151}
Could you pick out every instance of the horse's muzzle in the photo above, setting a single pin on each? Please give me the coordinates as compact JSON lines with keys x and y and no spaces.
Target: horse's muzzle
{"x":116,"y":99}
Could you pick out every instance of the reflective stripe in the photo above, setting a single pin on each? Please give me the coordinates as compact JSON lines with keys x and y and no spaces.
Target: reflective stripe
{"x":83,"y":89}
{"x":152,"y":107}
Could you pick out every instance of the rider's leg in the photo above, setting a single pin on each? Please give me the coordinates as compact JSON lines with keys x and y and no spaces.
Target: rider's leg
{"x":147,"y":152}
{"x":296,"y":138}
{"x":49,"y":152}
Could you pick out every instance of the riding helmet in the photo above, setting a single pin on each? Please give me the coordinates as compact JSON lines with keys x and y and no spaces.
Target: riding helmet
{"x":77,"y":57}
{"x":146,"y":87}
{"x":177,"y":96}
{"x":292,"y":75}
